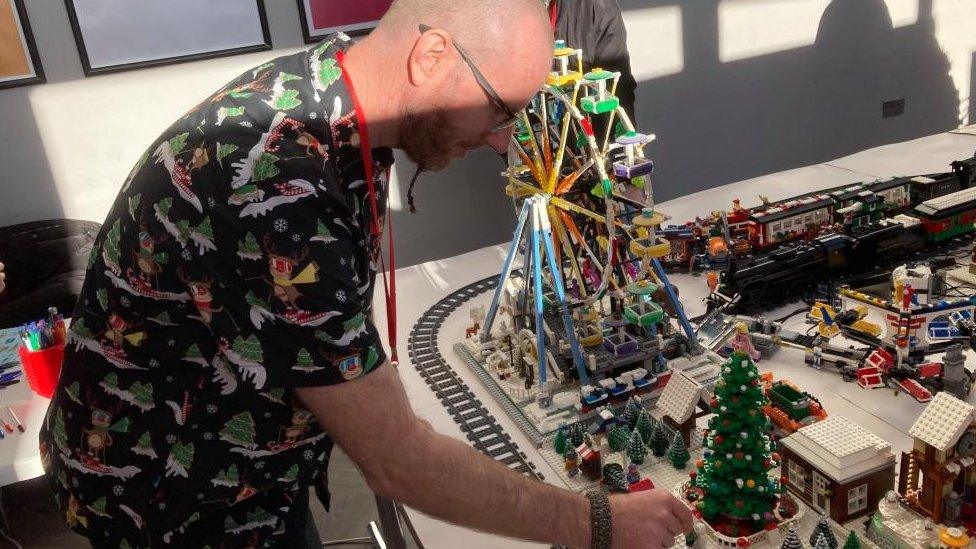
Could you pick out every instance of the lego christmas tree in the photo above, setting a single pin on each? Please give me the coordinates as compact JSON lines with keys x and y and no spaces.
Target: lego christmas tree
{"x":636,"y":450}
{"x":631,"y":413}
{"x":678,"y":454}
{"x":576,"y":435}
{"x":823,"y":528}
{"x":618,"y":438}
{"x":733,"y":476}
{"x":792,"y":540}
{"x":852,"y":541}
{"x":644,"y":426}
{"x":614,"y":478}
{"x":659,"y":440}
{"x":560,"y":443}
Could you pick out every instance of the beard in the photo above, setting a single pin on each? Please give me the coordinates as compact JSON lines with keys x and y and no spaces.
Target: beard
{"x":426,"y":139}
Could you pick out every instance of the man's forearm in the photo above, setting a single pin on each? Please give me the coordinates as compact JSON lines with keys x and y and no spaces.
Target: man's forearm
{"x":448,"y":479}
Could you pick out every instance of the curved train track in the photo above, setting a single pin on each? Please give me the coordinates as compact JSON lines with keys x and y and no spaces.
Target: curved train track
{"x":474,"y":419}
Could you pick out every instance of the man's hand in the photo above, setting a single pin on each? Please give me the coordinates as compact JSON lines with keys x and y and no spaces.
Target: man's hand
{"x":648,"y":520}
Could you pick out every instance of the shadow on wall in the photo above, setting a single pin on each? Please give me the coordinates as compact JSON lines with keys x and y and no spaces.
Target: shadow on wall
{"x":723,"y":122}
{"x":971,"y":106}
{"x":22,"y":151}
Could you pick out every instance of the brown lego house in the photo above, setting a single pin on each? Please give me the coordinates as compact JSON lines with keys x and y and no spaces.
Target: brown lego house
{"x":838,"y":467}
{"x":937,"y":477}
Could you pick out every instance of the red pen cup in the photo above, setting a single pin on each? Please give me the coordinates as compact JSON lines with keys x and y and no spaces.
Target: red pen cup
{"x":42,"y":368}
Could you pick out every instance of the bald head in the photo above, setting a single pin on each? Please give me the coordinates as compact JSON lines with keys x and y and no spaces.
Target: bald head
{"x":430,"y":91}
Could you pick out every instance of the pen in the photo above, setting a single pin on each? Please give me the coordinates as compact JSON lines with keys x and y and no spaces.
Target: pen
{"x":20,"y":426}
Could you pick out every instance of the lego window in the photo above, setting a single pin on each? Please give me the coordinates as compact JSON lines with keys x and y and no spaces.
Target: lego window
{"x":857,"y":499}
{"x":799,"y":477}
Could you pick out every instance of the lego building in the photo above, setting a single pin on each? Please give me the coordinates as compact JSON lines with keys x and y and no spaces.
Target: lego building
{"x":936,"y":478}
{"x":838,"y":467}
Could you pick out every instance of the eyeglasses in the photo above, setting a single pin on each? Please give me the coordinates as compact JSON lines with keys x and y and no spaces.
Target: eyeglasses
{"x":493,"y":96}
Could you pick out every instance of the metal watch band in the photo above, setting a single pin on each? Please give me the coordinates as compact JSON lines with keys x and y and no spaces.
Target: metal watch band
{"x":599,"y":519}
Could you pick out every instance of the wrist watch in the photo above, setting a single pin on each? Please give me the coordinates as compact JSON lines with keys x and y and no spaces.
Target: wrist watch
{"x":599,"y":519}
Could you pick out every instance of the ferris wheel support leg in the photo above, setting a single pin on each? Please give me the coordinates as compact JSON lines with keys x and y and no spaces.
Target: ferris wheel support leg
{"x":506,"y":272}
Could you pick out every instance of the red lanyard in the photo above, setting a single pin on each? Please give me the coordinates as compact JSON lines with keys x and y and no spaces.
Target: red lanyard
{"x":389,"y":286}
{"x":554,"y":13}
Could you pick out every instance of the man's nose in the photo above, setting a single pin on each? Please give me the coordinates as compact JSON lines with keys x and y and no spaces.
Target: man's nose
{"x":499,"y":141}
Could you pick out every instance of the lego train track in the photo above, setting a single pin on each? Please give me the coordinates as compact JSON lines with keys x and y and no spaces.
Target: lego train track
{"x":476,"y":422}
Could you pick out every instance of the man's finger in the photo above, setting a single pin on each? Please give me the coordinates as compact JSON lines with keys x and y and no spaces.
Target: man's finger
{"x":683,"y":515}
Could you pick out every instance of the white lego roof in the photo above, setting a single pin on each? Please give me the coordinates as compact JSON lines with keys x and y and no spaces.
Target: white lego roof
{"x":840,"y":448}
{"x":943,"y":421}
{"x":680,"y":397}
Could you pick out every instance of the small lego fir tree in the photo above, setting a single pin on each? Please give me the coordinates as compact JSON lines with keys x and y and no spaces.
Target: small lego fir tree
{"x":821,"y":541}
{"x":678,"y":454}
{"x":618,"y":438}
{"x":560,"y":442}
{"x":691,"y":538}
{"x":632,"y":412}
{"x":734,"y":474}
{"x":644,"y":426}
{"x":852,"y":541}
{"x":659,"y":440}
{"x":823,"y":528}
{"x":576,"y":435}
{"x":636,"y":450}
{"x":792,"y":540}
{"x":614,"y":478}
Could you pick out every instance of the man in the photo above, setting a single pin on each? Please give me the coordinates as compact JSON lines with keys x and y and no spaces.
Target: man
{"x":3,"y":279}
{"x":597,"y":27}
{"x":223,"y":341}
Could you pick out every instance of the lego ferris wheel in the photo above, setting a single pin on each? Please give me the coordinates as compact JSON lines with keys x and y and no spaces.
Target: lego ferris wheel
{"x":587,"y":227}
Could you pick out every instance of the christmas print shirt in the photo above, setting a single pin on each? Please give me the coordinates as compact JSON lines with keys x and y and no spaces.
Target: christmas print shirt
{"x":235,"y":266}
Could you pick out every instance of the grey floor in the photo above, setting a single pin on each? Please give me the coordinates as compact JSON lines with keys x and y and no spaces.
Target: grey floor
{"x":35,"y":522}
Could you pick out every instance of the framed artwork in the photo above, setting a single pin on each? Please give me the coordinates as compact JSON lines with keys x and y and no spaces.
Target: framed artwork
{"x":323,"y":17}
{"x":19,"y":62}
{"x":117,"y":35}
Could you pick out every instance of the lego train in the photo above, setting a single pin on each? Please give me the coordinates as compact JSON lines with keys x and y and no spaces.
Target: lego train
{"x":933,"y":199}
{"x":784,"y":250}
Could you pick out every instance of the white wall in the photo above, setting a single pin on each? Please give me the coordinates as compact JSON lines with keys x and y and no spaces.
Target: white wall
{"x":732,"y":88}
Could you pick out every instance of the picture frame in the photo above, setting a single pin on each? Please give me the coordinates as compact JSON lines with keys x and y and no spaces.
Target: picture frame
{"x":121,"y":35}
{"x":20,"y":64}
{"x":323,"y":17}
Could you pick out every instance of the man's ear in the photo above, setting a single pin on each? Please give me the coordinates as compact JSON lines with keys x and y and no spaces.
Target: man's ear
{"x":430,"y":57}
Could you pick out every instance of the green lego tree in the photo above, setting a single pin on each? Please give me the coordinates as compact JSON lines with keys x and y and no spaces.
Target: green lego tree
{"x":678,"y":454}
{"x":644,"y":426}
{"x":636,"y":450}
{"x":659,"y":440}
{"x":631,"y":412}
{"x":852,"y":541}
{"x":821,"y":541}
{"x":576,"y":435}
{"x":614,"y":478}
{"x":792,"y":540}
{"x":823,"y":528}
{"x":560,"y":443}
{"x":618,"y":438}
{"x":733,"y":475}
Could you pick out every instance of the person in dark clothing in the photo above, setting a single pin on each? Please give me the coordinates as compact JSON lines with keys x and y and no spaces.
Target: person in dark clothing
{"x":597,"y":27}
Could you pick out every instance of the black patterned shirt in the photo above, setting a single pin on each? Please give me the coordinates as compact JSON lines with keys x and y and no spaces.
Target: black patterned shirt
{"x":235,"y":266}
